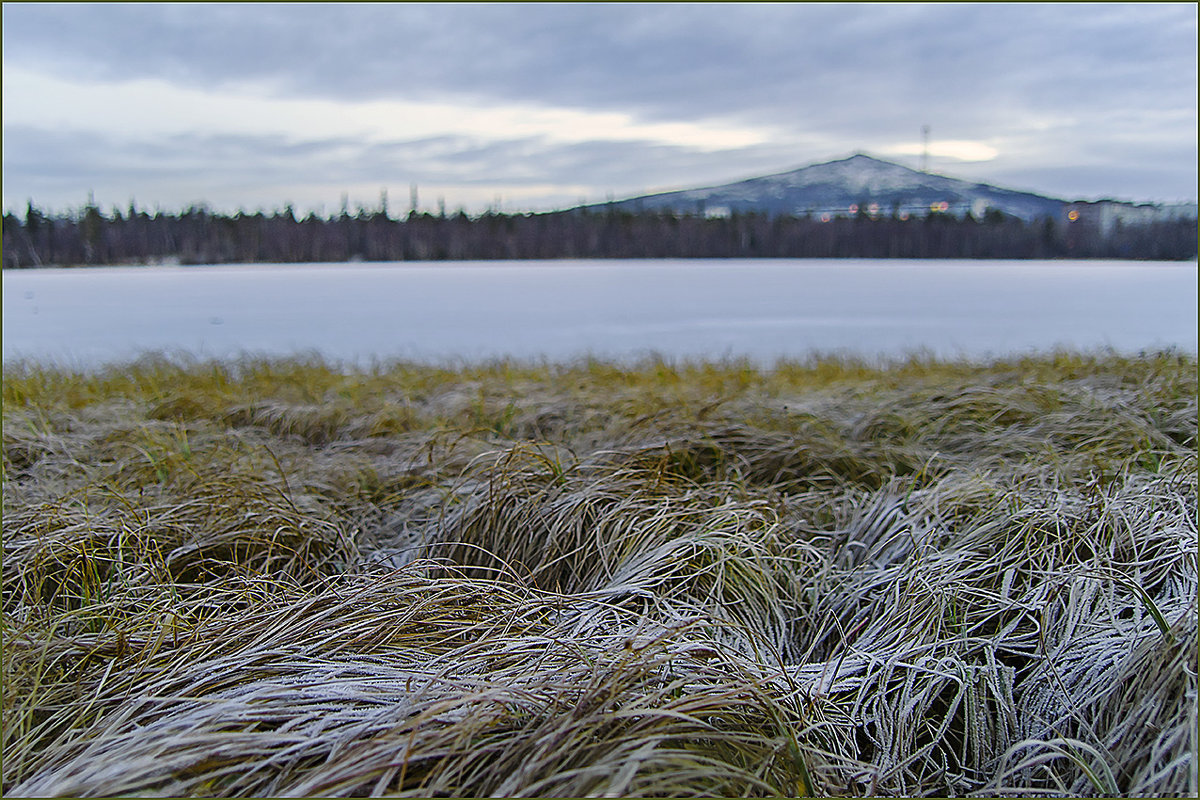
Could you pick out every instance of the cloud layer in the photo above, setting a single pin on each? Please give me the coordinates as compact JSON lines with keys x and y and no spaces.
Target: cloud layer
{"x":246,"y":104}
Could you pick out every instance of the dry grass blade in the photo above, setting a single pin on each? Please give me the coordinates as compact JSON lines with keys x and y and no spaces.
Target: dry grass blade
{"x":286,"y":578}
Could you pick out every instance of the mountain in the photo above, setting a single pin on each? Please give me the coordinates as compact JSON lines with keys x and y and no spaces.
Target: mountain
{"x":834,"y":187}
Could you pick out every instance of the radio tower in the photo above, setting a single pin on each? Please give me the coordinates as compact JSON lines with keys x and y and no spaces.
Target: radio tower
{"x":925,"y":148}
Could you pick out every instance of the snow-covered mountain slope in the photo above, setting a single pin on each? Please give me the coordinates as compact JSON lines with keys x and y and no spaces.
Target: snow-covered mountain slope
{"x":858,"y":182}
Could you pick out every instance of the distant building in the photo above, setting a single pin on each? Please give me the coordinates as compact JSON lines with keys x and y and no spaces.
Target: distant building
{"x":977,"y":208}
{"x":1104,"y":216}
{"x":1172,"y":211}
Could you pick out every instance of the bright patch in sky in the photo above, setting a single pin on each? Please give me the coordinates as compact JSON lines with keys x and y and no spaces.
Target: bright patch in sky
{"x":154,"y":106}
{"x":545,"y":103}
{"x":958,"y":149}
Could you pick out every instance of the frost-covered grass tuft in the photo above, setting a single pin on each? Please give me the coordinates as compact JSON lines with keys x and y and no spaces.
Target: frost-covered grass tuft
{"x":281,"y":578}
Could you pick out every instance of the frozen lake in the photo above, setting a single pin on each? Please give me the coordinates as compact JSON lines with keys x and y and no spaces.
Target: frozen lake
{"x":613,"y":309}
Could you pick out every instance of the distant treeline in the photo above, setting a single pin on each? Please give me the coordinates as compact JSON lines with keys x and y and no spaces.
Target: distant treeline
{"x":200,"y":236}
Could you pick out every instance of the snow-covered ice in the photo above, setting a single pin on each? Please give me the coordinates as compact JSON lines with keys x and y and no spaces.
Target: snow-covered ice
{"x":762,"y":309}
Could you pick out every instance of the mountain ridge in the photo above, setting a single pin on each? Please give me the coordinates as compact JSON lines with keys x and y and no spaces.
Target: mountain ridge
{"x":848,"y":185}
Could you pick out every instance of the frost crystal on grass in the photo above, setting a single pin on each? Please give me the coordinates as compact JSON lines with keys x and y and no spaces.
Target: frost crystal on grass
{"x":278,"y":578}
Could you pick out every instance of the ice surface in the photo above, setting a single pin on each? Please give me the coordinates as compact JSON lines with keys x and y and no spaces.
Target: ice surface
{"x":763,"y":309}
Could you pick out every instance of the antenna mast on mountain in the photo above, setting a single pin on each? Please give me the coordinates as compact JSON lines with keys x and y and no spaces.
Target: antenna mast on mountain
{"x":924,"y":148}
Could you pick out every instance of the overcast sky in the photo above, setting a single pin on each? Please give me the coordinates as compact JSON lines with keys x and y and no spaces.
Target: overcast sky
{"x":544,"y":105}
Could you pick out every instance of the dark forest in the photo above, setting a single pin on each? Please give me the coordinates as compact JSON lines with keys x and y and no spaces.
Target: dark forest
{"x":200,"y":236}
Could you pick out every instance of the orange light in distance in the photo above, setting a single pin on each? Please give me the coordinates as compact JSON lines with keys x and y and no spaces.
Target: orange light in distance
{"x":1072,"y":215}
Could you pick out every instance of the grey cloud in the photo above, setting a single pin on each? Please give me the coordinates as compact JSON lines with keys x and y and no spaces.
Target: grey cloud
{"x":231,"y":169}
{"x":1139,"y":183}
{"x":1095,"y":99}
{"x":837,"y":66}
